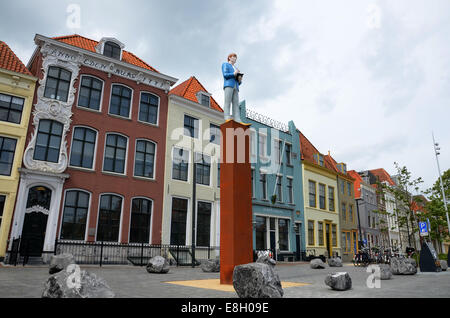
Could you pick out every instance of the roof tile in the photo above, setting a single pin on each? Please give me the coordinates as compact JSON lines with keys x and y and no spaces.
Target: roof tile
{"x":10,"y":62}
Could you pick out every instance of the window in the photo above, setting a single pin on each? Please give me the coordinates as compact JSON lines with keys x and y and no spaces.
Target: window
{"x":109,"y":218}
{"x":179,"y":217}
{"x":120,"y":103}
{"x":90,"y":93}
{"x":263,"y":180}
{"x":279,"y":189}
{"x":288,"y":154}
{"x":278,"y":147}
{"x":253,"y":142}
{"x":261,"y":233}
{"x":344,"y":212}
{"x":311,"y":233}
{"x":262,"y":143}
{"x":83,"y":147}
{"x":203,"y":223}
{"x":350,"y":213}
{"x":141,"y":214}
{"x":7,"y":150}
{"x":190,"y":126}
{"x":331,"y":198}
{"x":214,"y":131}
{"x":144,"y":162}
{"x":283,"y":234}
{"x":2,"y":207}
{"x":203,"y":169}
{"x":368,"y":221}
{"x":11,"y":108}
{"x":111,"y":49}
{"x":75,"y":212}
{"x":320,"y":233}
{"x":218,"y":174}
{"x":290,"y":191}
{"x":318,"y":158}
{"x":48,"y":140}
{"x":148,"y":108}
{"x":322,"y":196}
{"x":180,"y":164}
{"x":342,"y":187}
{"x":204,"y":100}
{"x":349,"y":189}
{"x":312,"y":194}
{"x":334,"y":234}
{"x":58,"y":84}
{"x":115,"y":153}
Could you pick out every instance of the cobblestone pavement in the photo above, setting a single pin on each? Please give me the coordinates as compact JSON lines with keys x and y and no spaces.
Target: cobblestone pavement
{"x":135,"y":282}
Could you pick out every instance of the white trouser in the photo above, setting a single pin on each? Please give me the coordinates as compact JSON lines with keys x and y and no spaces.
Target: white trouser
{"x":232,"y":98}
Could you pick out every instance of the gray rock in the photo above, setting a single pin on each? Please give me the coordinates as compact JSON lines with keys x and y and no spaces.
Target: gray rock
{"x":60,"y":262}
{"x":67,"y":284}
{"x":402,"y":266}
{"x":385,"y":271}
{"x":158,"y":265}
{"x":257,"y":280}
{"x":266,"y":259}
{"x":412,"y":261}
{"x":444,"y":264}
{"x":317,"y":264}
{"x":339,"y":281}
{"x":211,"y":266}
{"x":335,"y":262}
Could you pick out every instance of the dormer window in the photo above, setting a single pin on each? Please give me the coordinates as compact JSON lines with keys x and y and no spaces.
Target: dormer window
{"x":342,"y":167}
{"x":318,"y":158}
{"x":111,"y":49}
{"x":204,"y":99}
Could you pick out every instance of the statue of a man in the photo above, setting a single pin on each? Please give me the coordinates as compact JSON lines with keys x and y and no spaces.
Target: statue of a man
{"x":232,"y":79}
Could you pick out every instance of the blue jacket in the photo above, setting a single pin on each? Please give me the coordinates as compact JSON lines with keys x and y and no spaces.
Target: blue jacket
{"x":228,"y":76}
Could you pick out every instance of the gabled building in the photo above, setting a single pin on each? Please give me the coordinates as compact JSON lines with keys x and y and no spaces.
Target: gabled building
{"x":387,"y":222}
{"x":347,"y":209}
{"x":193,"y":137}
{"x":17,"y":86}
{"x":93,"y":167}
{"x":320,"y":186}
{"x":277,"y":186}
{"x":366,"y":209}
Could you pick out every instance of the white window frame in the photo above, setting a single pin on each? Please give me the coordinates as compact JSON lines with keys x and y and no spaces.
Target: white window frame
{"x":126,"y":155}
{"x":101,"y":95}
{"x":131,"y":101}
{"x":154,"y":161}
{"x":139,"y":108}
{"x":87,"y":215}
{"x":94,"y":161}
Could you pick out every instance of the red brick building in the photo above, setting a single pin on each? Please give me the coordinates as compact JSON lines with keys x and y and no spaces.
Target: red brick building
{"x":94,"y":161}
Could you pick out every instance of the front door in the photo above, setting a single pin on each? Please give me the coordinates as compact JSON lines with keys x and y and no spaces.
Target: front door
{"x":33,"y":234}
{"x":35,"y":221}
{"x":328,"y":239}
{"x":297,"y":241}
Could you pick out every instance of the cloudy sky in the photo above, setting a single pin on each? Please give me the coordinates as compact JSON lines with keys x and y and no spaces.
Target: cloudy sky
{"x":368,"y":81}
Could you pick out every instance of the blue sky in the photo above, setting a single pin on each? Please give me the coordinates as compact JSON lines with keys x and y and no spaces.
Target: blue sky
{"x":366,"y":80}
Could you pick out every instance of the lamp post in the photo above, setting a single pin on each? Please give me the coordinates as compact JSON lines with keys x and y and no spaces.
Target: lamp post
{"x":436,"y":152}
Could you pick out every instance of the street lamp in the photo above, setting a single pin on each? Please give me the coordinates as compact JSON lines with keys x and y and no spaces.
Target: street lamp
{"x":436,"y":151}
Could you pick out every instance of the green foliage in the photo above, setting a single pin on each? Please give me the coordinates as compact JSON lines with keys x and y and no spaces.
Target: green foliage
{"x":442,"y":257}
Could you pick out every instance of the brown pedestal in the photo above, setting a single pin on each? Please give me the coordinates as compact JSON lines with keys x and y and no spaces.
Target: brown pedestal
{"x":236,"y":236}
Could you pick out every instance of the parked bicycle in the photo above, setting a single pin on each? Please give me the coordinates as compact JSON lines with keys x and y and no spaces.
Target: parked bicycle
{"x":362,"y":258}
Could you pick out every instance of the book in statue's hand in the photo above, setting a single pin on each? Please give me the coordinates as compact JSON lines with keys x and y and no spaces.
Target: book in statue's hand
{"x":239,"y":77}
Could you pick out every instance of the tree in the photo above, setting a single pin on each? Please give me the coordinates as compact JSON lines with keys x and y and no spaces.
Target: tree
{"x":404,"y":201}
{"x":435,"y":209}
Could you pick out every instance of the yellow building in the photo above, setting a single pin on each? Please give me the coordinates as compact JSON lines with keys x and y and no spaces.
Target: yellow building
{"x":193,"y":129}
{"x":17,"y":86}
{"x":321,"y":202}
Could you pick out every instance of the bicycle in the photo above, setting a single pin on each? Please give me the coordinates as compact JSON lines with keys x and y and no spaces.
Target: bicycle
{"x":362,"y":258}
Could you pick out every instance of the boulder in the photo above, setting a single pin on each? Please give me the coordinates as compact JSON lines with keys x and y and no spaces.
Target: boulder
{"x":402,"y":266}
{"x":256,"y":280}
{"x":73,"y":284}
{"x":211,"y":266}
{"x":60,"y":262}
{"x":335,"y":262}
{"x":317,"y":264}
{"x":444,"y":264}
{"x":339,"y":281}
{"x":266,"y":259}
{"x":158,"y":265}
{"x":385,"y":271}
